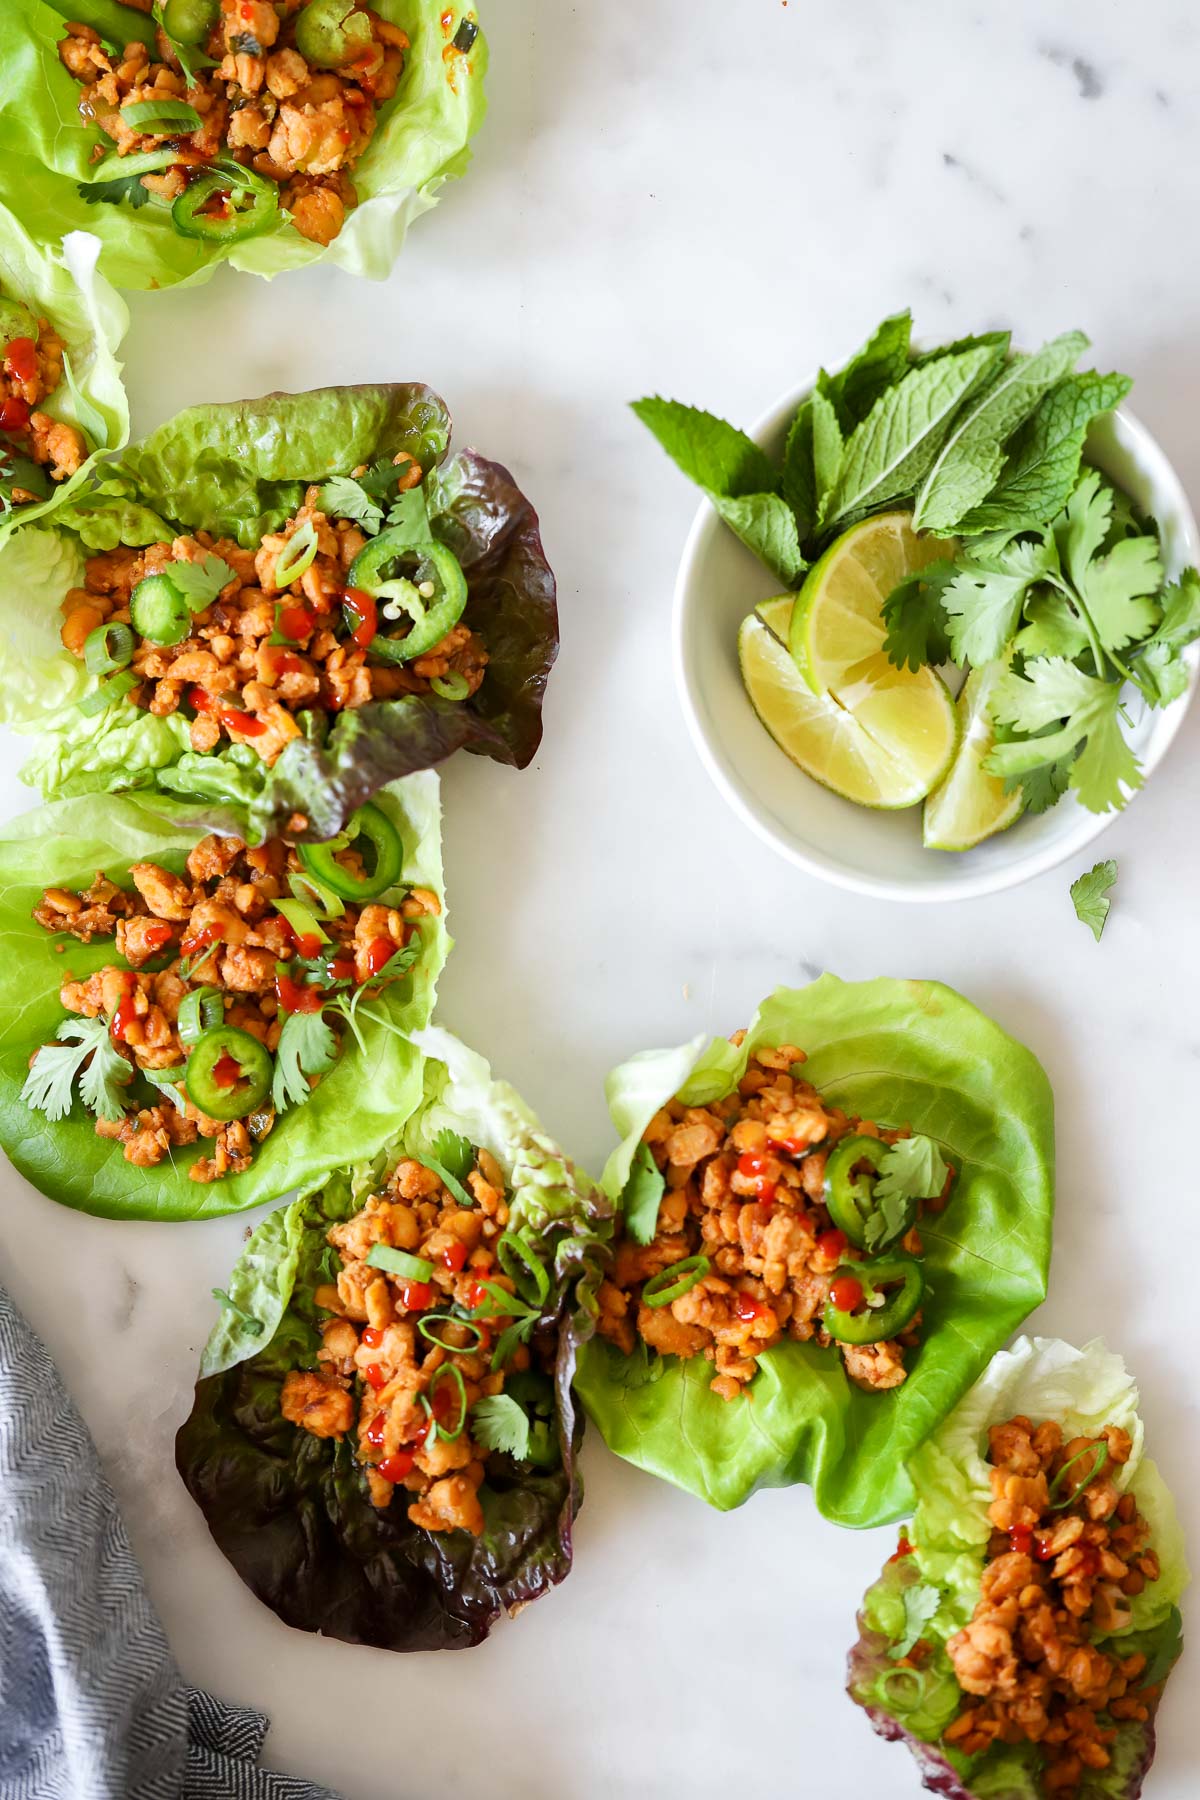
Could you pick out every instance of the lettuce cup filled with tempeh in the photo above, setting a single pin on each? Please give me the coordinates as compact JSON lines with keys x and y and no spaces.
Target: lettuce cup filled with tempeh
{"x":826,"y":1226}
{"x":61,"y":395}
{"x":277,"y":606}
{"x":1019,"y":1638}
{"x":383,"y":1440}
{"x":268,"y":133}
{"x":193,"y":1024}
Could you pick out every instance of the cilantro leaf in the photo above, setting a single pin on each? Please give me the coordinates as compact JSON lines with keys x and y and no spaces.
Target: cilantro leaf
{"x":920,"y":1605}
{"x":916,"y":618}
{"x":1042,"y":787}
{"x":499,"y":1422}
{"x":114,"y":192}
{"x":971,"y":458}
{"x":1118,"y":591}
{"x":454,"y":1152}
{"x":250,"y":1324}
{"x":641,"y":1195}
{"x":1043,"y":459}
{"x":1159,"y":669}
{"x":1089,"y":896}
{"x":54,"y":1071}
{"x":889,"y":454}
{"x":344,"y":498}
{"x":885,"y":1222}
{"x":307,"y":1046}
{"x":984,"y":601}
{"x":1079,"y":710}
{"x":913,"y":1169}
{"x":410,"y":511}
{"x":1051,"y":628}
{"x":201,"y":582}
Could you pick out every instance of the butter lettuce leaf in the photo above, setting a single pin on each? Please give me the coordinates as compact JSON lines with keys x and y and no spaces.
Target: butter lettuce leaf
{"x":359,"y":1105}
{"x":291,"y":1512}
{"x":902,"y":1053}
{"x":421,"y":141}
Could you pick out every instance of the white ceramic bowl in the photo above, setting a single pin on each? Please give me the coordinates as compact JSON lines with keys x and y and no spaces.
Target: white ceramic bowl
{"x":881,"y":853}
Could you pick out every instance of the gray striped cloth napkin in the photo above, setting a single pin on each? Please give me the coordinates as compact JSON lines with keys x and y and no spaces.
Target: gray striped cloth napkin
{"x":92,"y":1706}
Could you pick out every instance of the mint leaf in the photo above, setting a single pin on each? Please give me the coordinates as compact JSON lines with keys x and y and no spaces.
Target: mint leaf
{"x":971,"y":458}
{"x":1088,"y":896}
{"x":826,"y":449}
{"x":715,"y":455}
{"x":641,"y":1195}
{"x":342,"y":497}
{"x":307,"y":1046}
{"x":799,"y":479}
{"x":499,"y":1422}
{"x":879,"y":365}
{"x":1042,"y":466}
{"x":916,"y":618}
{"x":767,"y":526}
{"x":913,"y":1169}
{"x":201,"y":582}
{"x":984,"y":601}
{"x":920,"y":1604}
{"x":889,"y":454}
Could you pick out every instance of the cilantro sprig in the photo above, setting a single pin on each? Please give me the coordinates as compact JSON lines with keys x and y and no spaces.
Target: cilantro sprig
{"x":84,"y":1055}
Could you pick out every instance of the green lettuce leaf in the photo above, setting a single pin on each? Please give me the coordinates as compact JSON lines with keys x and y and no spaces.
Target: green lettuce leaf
{"x":898,"y":1052}
{"x":291,"y":1512}
{"x":1083,"y":1390}
{"x":62,"y":286}
{"x":421,"y":141}
{"x":239,"y":471}
{"x":359,"y":1105}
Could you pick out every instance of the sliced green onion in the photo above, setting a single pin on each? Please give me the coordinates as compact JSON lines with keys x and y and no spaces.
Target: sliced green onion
{"x":902,"y":1690}
{"x":1101,"y":1463}
{"x":452,"y":1373}
{"x":427,"y":1321}
{"x":302,"y":922}
{"x":297,"y":555}
{"x":107,"y":692}
{"x":399,"y":1262}
{"x":311,"y":892}
{"x":108,"y":648}
{"x":512,"y":1249}
{"x":451,"y":687}
{"x":670,"y":1283}
{"x":161,"y":118}
{"x":201,"y":1010}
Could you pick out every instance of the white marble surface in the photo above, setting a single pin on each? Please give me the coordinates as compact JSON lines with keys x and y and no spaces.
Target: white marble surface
{"x":705,"y":199}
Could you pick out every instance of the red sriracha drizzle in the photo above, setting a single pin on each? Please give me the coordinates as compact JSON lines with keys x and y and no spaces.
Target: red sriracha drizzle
{"x":416,"y":1296}
{"x":454,"y":1256}
{"x":124,"y":1012}
{"x":305,"y":943}
{"x":747,"y":1307}
{"x":379,"y":953}
{"x":227,"y":1071}
{"x":14,"y":414}
{"x":297,"y":996}
{"x":846,"y":1293}
{"x":903,"y":1549}
{"x":376,"y":1376}
{"x":375,"y":1430}
{"x":295,"y":622}
{"x":361,"y":616}
{"x":395,"y":1468}
{"x":21,"y":358}
{"x":200,"y":940}
{"x":752,"y":1165}
{"x":832,"y":1245}
{"x":201,"y":701}
{"x":372,"y":1337}
{"x":155,"y":936}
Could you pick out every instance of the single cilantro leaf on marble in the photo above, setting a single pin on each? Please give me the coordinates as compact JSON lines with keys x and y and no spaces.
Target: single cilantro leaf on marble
{"x":1089,"y":896}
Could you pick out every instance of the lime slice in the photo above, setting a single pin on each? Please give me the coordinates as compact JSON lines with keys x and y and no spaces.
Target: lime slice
{"x":837,"y":628}
{"x":887,"y":754}
{"x":776,"y":615}
{"x":970,"y":804}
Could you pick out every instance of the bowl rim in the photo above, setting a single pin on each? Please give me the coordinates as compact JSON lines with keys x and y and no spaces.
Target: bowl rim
{"x":967,"y":885}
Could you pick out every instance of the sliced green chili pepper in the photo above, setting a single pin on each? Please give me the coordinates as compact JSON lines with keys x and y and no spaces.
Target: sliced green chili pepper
{"x":161,"y":118}
{"x":201,"y":1010}
{"x":428,"y":1321}
{"x":451,"y":687}
{"x":903,"y":1274}
{"x":399,"y":1262}
{"x":1097,"y":1469}
{"x":329,"y":33}
{"x":219,"y":1099}
{"x":235,"y":220}
{"x":107,"y":648}
{"x":159,"y":611}
{"x":190,"y":21}
{"x":107,"y":692}
{"x":367,"y":826}
{"x":670,"y":1283}
{"x":434,"y":571}
{"x":517,"y":1260}
{"x":850,"y":1197}
{"x":453,"y":1374}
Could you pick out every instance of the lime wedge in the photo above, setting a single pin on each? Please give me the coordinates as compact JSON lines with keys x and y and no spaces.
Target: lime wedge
{"x":776,"y":615}
{"x":837,"y":628}
{"x":970,"y":804}
{"x":887,"y":753}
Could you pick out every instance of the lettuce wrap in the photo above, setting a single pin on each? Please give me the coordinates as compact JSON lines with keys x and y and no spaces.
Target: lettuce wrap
{"x":357,"y":1106}
{"x":62,"y":287}
{"x":900,"y":1053}
{"x":291,"y":1511}
{"x":932,"y":1587}
{"x":239,"y":472}
{"x":421,"y":140}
